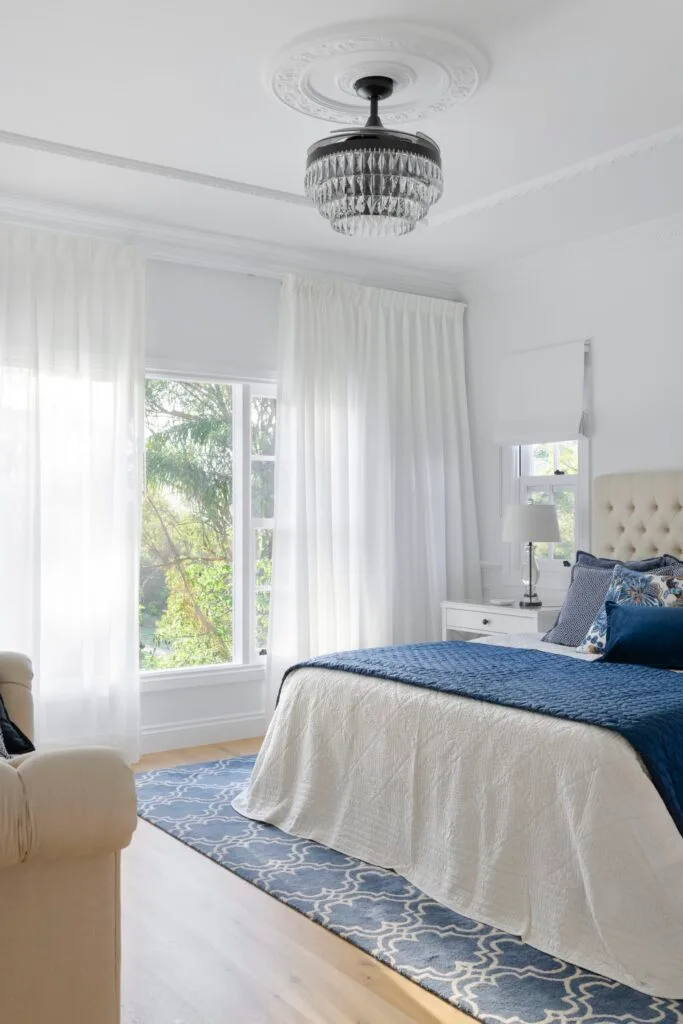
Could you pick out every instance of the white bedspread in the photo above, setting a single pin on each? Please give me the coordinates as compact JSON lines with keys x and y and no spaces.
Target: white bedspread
{"x":548,"y":829}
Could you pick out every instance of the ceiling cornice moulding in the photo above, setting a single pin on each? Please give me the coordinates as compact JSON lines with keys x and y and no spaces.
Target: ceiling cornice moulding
{"x":125,"y":163}
{"x":668,"y":228}
{"x":221,"y":252}
{"x":534,"y":185}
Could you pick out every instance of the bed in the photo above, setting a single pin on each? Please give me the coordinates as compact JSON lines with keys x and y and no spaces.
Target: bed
{"x":546,"y":828}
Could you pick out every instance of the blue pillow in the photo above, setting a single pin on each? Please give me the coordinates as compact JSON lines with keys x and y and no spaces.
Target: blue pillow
{"x":644,"y":635}
{"x":585,"y":598}
{"x":642,"y":565}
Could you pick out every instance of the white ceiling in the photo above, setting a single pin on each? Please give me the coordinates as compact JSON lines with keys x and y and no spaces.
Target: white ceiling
{"x":577,"y":130}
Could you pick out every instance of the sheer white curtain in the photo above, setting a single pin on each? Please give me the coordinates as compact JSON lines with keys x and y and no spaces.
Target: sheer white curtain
{"x":71,"y":390}
{"x":375,"y":522}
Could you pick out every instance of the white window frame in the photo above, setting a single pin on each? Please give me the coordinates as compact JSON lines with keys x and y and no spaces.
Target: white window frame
{"x":247,"y":664}
{"x":256,"y":391}
{"x":514,"y":486}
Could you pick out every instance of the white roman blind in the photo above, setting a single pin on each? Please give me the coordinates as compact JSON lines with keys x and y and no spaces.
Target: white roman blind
{"x":542,"y":394}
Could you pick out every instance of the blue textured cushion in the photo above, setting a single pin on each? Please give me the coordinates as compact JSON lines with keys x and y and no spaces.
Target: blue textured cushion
{"x":585,"y":598}
{"x":642,"y":565}
{"x":644,"y":636}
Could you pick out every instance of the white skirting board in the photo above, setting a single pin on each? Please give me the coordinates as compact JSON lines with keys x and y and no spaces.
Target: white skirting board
{"x":193,"y":708}
{"x":201,"y":731}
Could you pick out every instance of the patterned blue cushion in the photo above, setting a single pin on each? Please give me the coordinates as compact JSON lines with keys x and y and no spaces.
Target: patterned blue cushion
{"x":585,"y":598}
{"x":643,"y":589}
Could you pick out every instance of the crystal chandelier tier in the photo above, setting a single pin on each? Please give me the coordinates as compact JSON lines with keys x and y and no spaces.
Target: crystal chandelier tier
{"x":373,"y":180}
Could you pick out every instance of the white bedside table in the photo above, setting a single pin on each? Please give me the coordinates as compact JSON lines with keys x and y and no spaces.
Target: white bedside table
{"x":465,"y":617}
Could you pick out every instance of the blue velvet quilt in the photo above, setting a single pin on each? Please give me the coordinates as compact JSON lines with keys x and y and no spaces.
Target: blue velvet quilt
{"x":644,"y":705}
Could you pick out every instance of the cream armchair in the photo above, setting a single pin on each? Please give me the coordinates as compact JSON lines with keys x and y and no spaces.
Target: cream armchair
{"x":64,"y":818}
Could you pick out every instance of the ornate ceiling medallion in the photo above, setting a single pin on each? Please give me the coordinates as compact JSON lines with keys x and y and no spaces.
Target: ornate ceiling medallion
{"x":431,"y":68}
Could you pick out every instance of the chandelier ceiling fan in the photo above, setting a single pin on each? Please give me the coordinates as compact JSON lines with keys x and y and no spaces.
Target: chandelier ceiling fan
{"x":374,"y":180}
{"x":371,"y":178}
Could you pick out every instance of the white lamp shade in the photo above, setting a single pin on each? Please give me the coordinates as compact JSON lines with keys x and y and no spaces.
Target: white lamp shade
{"x":525,"y":523}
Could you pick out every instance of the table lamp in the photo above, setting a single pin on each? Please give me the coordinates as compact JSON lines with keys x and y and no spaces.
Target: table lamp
{"x":527,"y":524}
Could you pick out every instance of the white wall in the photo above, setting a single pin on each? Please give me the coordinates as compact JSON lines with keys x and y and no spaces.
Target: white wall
{"x":625,"y":293}
{"x":214,"y":323}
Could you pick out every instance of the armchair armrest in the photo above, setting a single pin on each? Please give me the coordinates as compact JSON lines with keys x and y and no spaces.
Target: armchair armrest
{"x":65,"y":804}
{"x":16,"y":677}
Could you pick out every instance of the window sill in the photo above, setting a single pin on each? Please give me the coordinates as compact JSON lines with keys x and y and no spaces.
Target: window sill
{"x":159,"y":680}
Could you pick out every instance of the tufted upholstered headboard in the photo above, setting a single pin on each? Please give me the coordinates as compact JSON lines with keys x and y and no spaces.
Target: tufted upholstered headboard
{"x":636,"y":515}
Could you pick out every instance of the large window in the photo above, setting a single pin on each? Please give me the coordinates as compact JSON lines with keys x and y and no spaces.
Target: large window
{"x":207,"y":525}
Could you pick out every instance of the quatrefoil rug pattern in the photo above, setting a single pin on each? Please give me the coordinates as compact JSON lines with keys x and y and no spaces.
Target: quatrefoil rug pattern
{"x":493,"y":976}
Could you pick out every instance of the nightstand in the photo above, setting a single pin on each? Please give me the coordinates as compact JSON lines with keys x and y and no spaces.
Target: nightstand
{"x":464,"y":617}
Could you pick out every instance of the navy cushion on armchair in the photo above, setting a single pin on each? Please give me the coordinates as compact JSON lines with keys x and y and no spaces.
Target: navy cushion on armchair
{"x":13,"y":738}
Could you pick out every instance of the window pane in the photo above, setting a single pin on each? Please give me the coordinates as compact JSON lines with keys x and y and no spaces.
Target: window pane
{"x":263,"y":426}
{"x":541,"y":461}
{"x":262,"y":489}
{"x":544,"y":459}
{"x":264,"y":556}
{"x":263,"y":562}
{"x":568,"y":456}
{"x":565,"y":503}
{"x":186,"y":558}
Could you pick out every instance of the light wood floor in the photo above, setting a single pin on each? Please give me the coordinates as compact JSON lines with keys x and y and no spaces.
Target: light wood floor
{"x":202,"y":946}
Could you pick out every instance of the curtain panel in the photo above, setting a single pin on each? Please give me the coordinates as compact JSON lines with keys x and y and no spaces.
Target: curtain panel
{"x":375,"y":520}
{"x":71,"y":392}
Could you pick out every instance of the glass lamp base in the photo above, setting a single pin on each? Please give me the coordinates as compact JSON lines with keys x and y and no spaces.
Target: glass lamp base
{"x":530,"y":579}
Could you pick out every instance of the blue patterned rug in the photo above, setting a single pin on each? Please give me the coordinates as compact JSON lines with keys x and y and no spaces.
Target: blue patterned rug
{"x":491,"y":975}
